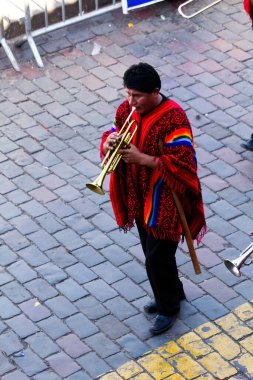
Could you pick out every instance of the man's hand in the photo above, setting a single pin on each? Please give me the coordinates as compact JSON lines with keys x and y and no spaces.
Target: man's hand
{"x":111,"y":142}
{"x":132,"y":155}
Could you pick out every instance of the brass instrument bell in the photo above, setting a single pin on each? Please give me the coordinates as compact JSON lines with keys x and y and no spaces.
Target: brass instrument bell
{"x":234,"y":265}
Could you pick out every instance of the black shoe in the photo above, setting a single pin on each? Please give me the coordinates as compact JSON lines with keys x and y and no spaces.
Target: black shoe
{"x":151,"y":307}
{"x":249,"y":144}
{"x":162,"y":323}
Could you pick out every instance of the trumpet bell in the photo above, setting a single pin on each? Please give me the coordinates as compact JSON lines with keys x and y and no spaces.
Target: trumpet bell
{"x":232,"y":267}
{"x":95,"y":188}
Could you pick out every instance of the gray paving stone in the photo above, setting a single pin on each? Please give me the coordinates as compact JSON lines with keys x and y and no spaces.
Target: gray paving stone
{"x":81,"y":274}
{"x":91,"y":307}
{"x":5,"y":277}
{"x":73,"y":346}
{"x":25,"y":224}
{"x":120,"y":308}
{"x":88,"y":256}
{"x":69,"y":239}
{"x":42,"y":345}
{"x":80,"y":375}
{"x":101,"y":290}
{"x":6,"y":185}
{"x":81,"y":325}
{"x":218,"y":290}
{"x":34,"y":310}
{"x":94,"y":365}
{"x":221,"y":168}
{"x":221,"y":226}
{"x":60,"y":209}
{"x":37,"y":170}
{"x":51,"y":273}
{"x":47,"y":375}
{"x":85,"y":207}
{"x":243,"y":223}
{"x":22,"y":326}
{"x":97,"y":239}
{"x":30,"y":363}
{"x":41,"y":289}
{"x":233,"y":196}
{"x":103,"y":346}
{"x":5,"y":365}
{"x":61,"y":307}
{"x":10,"y":343}
{"x":210,"y":307}
{"x":22,"y":271}
{"x":33,"y":256}
{"x":15,"y":292}
{"x":116,"y":255}
{"x":112,"y":327}
{"x":16,"y":375}
{"x":128,"y":289}
{"x":6,"y":256}
{"x":53,"y":327}
{"x":134,"y":271}
{"x":61,"y":257}
{"x":139,"y":325}
{"x":10,"y":169}
{"x":133,"y":345}
{"x":118,"y":237}
{"x":108,"y":273}
{"x":50,"y":223}
{"x":78,"y":224}
{"x":63,"y":364}
{"x":43,"y":240}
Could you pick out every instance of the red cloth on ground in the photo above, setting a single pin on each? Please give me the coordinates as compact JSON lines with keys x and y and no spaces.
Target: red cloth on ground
{"x":144,"y":194}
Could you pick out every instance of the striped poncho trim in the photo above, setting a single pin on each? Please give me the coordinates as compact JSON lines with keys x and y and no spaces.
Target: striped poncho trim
{"x":153,"y":201}
{"x":179,"y":137}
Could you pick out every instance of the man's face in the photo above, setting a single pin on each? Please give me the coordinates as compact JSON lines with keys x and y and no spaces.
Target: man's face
{"x":142,"y":101}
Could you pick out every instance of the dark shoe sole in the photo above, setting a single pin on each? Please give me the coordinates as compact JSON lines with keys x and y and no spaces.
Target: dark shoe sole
{"x":248,"y":147}
{"x":162,"y":329}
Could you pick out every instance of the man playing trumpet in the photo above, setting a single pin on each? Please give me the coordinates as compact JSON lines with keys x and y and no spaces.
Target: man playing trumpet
{"x":160,"y":160}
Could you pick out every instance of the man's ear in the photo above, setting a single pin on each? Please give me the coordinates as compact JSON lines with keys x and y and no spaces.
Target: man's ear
{"x":156,"y":91}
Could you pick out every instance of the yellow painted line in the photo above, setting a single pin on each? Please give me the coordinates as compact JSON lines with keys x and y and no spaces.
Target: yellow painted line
{"x":221,"y":349}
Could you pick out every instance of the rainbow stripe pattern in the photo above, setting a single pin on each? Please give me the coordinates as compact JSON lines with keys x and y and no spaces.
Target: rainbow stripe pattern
{"x":180,"y":137}
{"x":153,"y":200}
{"x":113,"y":127}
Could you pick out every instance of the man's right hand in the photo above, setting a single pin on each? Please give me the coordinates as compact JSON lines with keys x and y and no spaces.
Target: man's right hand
{"x":111,"y":142}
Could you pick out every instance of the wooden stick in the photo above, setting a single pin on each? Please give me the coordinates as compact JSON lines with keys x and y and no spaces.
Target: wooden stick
{"x":187,"y":234}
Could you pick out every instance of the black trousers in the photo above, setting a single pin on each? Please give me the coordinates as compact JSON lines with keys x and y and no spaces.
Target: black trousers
{"x":162,"y":272}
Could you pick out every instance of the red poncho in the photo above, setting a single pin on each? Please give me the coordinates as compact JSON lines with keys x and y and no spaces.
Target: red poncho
{"x":248,"y":7}
{"x":144,"y":194}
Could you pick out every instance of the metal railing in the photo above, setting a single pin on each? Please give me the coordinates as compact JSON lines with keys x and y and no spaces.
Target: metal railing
{"x":182,"y":13}
{"x":30,"y":34}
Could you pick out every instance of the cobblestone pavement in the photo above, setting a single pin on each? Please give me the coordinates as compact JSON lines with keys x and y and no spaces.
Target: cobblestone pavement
{"x":72,"y":287}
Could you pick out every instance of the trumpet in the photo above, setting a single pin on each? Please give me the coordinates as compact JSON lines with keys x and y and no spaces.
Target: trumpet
{"x":234,"y":265}
{"x":112,"y":157}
